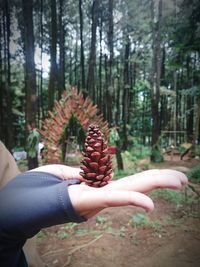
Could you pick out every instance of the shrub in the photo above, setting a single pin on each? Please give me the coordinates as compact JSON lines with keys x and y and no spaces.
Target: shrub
{"x":194,"y":173}
{"x":172,"y":196}
{"x":137,"y":152}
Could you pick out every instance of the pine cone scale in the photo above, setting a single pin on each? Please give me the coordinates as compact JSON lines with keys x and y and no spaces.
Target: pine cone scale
{"x":96,"y":164}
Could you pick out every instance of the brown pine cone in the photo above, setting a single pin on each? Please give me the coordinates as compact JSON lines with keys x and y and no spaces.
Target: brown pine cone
{"x":96,"y":164}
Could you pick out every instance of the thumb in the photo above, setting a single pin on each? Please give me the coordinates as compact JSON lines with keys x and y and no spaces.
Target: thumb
{"x":118,"y":198}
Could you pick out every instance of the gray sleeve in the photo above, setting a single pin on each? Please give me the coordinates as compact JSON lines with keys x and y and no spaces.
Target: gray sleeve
{"x":32,"y":201}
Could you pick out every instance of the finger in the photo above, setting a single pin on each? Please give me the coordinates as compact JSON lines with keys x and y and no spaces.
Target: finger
{"x":171,"y":179}
{"x":97,"y":199}
{"x":62,"y":171}
{"x":124,"y":198}
{"x":151,"y":179}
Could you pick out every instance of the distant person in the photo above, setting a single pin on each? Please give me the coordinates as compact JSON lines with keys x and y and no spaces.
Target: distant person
{"x":41,"y":150}
{"x":33,"y":140}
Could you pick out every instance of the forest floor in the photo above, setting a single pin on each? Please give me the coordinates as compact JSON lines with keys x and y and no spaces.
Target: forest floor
{"x":128,"y":237}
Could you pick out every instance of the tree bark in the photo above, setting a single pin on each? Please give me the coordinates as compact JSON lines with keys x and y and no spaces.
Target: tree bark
{"x":126,"y":92}
{"x":155,"y":78}
{"x":53,"y":79}
{"x":92,"y":57}
{"x":6,"y":81}
{"x":110,"y":40}
{"x":100,"y":89}
{"x":62,"y":50}
{"x":30,"y":73}
{"x":82,"y":46}
{"x":110,"y":89}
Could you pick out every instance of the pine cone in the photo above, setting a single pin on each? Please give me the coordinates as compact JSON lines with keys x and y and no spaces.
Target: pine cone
{"x":96,"y":164}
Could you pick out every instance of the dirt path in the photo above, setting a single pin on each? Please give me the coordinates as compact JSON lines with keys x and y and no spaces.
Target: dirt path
{"x":115,"y":242}
{"x":181,"y":250}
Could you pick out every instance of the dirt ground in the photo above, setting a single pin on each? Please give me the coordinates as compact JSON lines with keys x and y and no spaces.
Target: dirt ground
{"x":167,"y":237}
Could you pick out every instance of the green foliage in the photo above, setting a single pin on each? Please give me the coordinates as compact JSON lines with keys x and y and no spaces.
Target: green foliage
{"x":81,"y":232}
{"x":62,"y":234}
{"x":156,"y":151}
{"x":113,"y":137}
{"x":66,"y":230}
{"x":142,"y":86}
{"x":100,"y":219}
{"x":32,"y":143}
{"x":193,"y":91}
{"x":117,"y":232}
{"x":176,"y":197}
{"x":22,"y":164}
{"x":137,"y":152}
{"x":40,"y":235}
{"x":132,"y":20}
{"x":156,"y":155}
{"x":196,"y":150}
{"x":130,"y":158}
{"x":194,"y":173}
{"x":140,"y":112}
{"x":139,"y":220}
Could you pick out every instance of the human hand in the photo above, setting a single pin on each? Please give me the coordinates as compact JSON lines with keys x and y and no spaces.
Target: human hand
{"x":88,"y":201}
{"x":62,"y":171}
{"x":129,"y":190}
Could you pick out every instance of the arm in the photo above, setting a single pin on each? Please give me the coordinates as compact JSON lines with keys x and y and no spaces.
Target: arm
{"x":47,"y":196}
{"x":88,"y":201}
{"x":29,"y":202}
{"x":42,"y":197}
{"x":34,"y":200}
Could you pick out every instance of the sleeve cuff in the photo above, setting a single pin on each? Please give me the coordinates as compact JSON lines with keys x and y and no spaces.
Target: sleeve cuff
{"x":66,"y":203}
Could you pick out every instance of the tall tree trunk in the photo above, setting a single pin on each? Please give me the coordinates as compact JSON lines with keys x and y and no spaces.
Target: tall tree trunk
{"x":82,"y":46}
{"x":6,"y":83}
{"x":41,"y":101}
{"x":126,"y":90}
{"x":190,"y":103}
{"x":70,"y":68}
{"x":30,"y":73}
{"x":110,"y":89}
{"x":105,"y":93}
{"x":110,"y":40}
{"x":163,"y":100}
{"x":100,"y":93}
{"x":118,"y":96}
{"x":53,"y":79}
{"x":62,"y":51}
{"x":197,"y":121}
{"x":1,"y":78}
{"x":76,"y":64}
{"x":155,"y":77}
{"x":92,"y":57}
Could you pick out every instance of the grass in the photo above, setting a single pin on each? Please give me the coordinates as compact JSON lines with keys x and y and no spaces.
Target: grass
{"x":142,"y":221}
{"x":194,"y":174}
{"x":176,"y":197}
{"x":66,"y":230}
